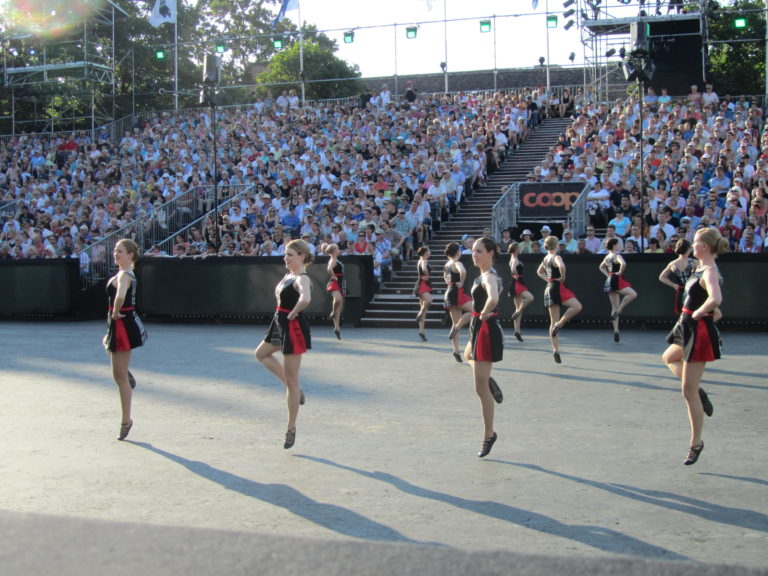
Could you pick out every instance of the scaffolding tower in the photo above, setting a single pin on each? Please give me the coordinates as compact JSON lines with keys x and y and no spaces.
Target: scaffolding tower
{"x":54,"y":76}
{"x":606,"y":36}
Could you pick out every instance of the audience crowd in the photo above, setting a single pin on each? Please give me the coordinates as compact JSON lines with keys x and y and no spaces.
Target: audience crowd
{"x":702,"y":164}
{"x":375,"y":176}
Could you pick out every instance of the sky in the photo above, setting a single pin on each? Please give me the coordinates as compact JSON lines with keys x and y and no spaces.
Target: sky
{"x":520,"y":33}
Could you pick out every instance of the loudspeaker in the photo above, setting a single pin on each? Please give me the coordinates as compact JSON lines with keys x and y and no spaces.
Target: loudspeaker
{"x":212,"y":73}
{"x":638,"y":36}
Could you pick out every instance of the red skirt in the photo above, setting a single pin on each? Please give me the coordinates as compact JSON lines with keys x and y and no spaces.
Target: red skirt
{"x":520,"y":288}
{"x":424,"y":287}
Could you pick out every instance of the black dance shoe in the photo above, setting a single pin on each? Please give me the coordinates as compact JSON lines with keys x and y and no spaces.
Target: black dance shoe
{"x":125,"y":428}
{"x":290,"y":438}
{"x":693,"y":454}
{"x":302,"y":400}
{"x":519,"y":336}
{"x":338,"y":334}
{"x":487,"y":445}
{"x":457,"y":357}
{"x":705,"y":403}
{"x":131,"y":380}
{"x":616,"y":337}
{"x":555,"y":330}
{"x":516,"y":315}
{"x":557,"y":358}
{"x":495,"y":391}
{"x":423,"y":336}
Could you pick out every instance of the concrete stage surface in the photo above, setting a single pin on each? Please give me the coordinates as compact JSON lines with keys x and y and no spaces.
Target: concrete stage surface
{"x":585,"y":478}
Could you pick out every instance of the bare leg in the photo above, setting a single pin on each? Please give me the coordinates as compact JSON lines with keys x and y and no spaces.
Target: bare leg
{"x":481,"y":372}
{"x":554,"y":317}
{"x":336,"y":308}
{"x":292,"y":364}
{"x":455,"y":313}
{"x":120,"y":362}
{"x":522,"y":301}
{"x":692,"y":372}
{"x":265,"y":354}
{"x":615,"y":304}
{"x":628,"y":295}
{"x":673,"y":358}
{"x":573,"y":308}
{"x":425,"y":302}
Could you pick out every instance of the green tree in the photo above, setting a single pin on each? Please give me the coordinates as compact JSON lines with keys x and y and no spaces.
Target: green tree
{"x":737,"y":55}
{"x":326,"y":75}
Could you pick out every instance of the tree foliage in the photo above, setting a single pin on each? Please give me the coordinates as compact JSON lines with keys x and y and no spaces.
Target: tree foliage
{"x":144,"y":82}
{"x":326,"y":75}
{"x":737,"y":55}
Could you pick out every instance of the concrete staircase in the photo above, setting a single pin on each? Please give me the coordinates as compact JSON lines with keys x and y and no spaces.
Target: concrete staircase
{"x":394,"y":306}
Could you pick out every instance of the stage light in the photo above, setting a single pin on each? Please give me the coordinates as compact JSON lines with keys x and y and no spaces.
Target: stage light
{"x":485,"y":26}
{"x":411,"y":32}
{"x":568,"y":3}
{"x":622,"y":52}
{"x":572,"y":57}
{"x":610,"y":52}
{"x":349,"y":36}
{"x":541,"y":60}
{"x":443,"y":66}
{"x":552,"y":21}
{"x":569,"y":25}
{"x":569,"y":13}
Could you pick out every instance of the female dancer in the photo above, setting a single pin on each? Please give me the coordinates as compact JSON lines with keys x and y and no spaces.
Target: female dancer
{"x":337,"y":286}
{"x":289,"y":330}
{"x":518,"y":291}
{"x":125,"y":330}
{"x":613,"y":266}
{"x":456,"y":301}
{"x":677,"y":272}
{"x":552,"y":270}
{"x":694,"y":340}
{"x":423,"y":288}
{"x":486,"y":341}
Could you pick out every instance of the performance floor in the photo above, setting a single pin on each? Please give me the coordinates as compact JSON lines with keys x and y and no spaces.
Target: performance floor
{"x":587,"y":467}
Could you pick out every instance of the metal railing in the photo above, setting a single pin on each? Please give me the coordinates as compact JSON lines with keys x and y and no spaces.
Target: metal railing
{"x":577,"y":219}
{"x":505,"y":211}
{"x":157,"y":227}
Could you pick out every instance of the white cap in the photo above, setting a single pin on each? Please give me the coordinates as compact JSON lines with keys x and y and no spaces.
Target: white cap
{"x":528,"y":232}
{"x":547,"y":228}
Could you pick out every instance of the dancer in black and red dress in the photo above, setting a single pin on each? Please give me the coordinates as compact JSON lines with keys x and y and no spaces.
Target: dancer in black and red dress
{"x":486,"y":340}
{"x":337,"y":286}
{"x":423,"y":288}
{"x":455,"y":300}
{"x":556,"y":294}
{"x":289,"y":330}
{"x":518,"y":291}
{"x":695,"y":340}
{"x":124,"y":328}
{"x":677,"y":272}
{"x":620,"y":292}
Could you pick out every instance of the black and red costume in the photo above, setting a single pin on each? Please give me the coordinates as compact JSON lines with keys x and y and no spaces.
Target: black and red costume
{"x":699,"y":339}
{"x":485,"y":336}
{"x":291,"y":336}
{"x":128,"y":332}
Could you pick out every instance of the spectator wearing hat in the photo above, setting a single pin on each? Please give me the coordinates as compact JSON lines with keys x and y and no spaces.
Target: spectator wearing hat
{"x":546,"y":231}
{"x":526,"y":242}
{"x":570,"y":242}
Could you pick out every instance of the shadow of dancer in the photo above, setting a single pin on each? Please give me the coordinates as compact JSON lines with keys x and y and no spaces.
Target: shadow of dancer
{"x":597,"y":537}
{"x":330,"y":516}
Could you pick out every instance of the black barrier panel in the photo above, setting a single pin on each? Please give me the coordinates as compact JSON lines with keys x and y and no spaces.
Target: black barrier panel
{"x":237,"y":287}
{"x":49,"y":286}
{"x":744,"y":276}
{"x":548,"y":200}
